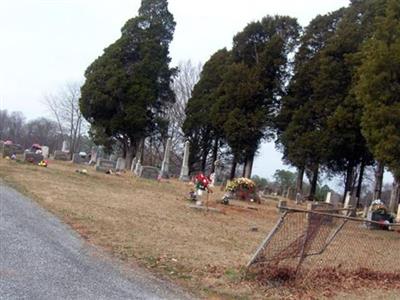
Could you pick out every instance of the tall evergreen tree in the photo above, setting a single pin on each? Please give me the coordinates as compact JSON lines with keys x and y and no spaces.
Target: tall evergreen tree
{"x":297,"y":124}
{"x":129,"y":85}
{"x":198,"y":126}
{"x":251,"y":89}
{"x":378,"y":88}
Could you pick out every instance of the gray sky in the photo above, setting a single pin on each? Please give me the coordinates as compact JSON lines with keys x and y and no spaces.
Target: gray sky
{"x":46,"y":43}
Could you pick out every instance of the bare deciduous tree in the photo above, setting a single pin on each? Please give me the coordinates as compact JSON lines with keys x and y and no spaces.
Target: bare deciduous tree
{"x":64,"y":107}
{"x":188,"y":76}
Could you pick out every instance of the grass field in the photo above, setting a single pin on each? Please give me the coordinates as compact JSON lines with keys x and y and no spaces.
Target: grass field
{"x":150,"y":224}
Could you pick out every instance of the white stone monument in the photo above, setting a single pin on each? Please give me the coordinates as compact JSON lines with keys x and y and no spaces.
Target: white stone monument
{"x":120,"y":164}
{"x":218,"y":172}
{"x":65,"y":147}
{"x":45,"y":151}
{"x":398,"y":215}
{"x":347,"y":200}
{"x":328,"y":198}
{"x":164,"y":173}
{"x":185,"y":164}
{"x":138,"y":168}
{"x":133,"y":165}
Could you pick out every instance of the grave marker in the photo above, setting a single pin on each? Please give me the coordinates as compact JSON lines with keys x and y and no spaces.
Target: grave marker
{"x":138,"y":168}
{"x":120,"y":164}
{"x":65,"y":147}
{"x":165,"y":164}
{"x":60,"y":155}
{"x":328,"y":197}
{"x":398,"y":215}
{"x":32,"y":157}
{"x":347,"y":201}
{"x":45,"y":152}
{"x":149,"y":172}
{"x":133,"y":165}
{"x":104,"y":165}
{"x":185,"y":164}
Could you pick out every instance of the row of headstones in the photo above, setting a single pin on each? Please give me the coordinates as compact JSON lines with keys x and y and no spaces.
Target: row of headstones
{"x":149,"y":172}
{"x":154,"y":173}
{"x":349,"y":202}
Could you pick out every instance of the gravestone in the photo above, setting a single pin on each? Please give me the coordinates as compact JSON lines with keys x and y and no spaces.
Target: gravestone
{"x":32,"y":157}
{"x":185,"y":164}
{"x":104,"y":165}
{"x":45,"y":152}
{"x":113,"y":157}
{"x":65,"y":147}
{"x":328,"y":197}
{"x":149,"y":172}
{"x":138,"y":168}
{"x":133,"y":165}
{"x":93,"y":155}
{"x":347,"y":201}
{"x":60,"y":155}
{"x":165,"y":164}
{"x":7,"y":150}
{"x":78,"y":159}
{"x":398,"y":215}
{"x":218,"y":180}
{"x":120,"y":164}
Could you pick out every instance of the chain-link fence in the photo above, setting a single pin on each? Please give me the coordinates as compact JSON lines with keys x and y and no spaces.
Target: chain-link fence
{"x":313,"y":246}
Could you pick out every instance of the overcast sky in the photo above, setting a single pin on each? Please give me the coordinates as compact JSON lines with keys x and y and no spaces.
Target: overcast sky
{"x":46,"y":43}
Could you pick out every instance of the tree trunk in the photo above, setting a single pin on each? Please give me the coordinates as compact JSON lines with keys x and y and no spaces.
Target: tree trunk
{"x":249,"y":166}
{"x":314,"y":183}
{"x":349,"y":181}
{"x":142,"y":148}
{"x":299,"y":180}
{"x":379,"y":171}
{"x":214,"y":155}
{"x":233,"y":169}
{"x":395,"y":196}
{"x":360,"y":181}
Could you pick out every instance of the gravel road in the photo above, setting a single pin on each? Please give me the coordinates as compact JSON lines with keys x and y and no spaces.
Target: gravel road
{"x":41,"y":258}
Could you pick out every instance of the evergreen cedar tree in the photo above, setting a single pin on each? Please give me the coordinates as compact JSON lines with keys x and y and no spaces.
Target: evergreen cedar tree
{"x":129,"y":85}
{"x":378,"y":90}
{"x":239,"y":90}
{"x":319,"y":125}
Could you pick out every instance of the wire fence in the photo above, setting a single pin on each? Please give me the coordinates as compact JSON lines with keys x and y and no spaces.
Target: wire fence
{"x":313,"y":247}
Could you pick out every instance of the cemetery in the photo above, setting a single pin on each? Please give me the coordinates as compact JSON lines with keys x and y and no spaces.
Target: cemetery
{"x":136,"y":218}
{"x":169,"y":167}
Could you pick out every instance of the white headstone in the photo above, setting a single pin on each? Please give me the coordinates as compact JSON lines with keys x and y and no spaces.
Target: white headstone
{"x":185,"y":164}
{"x":328,"y":197}
{"x":347,"y":200}
{"x":120,"y":164}
{"x":138,"y":168}
{"x":65,"y":147}
{"x":398,"y":215}
{"x":45,"y":151}
{"x":165,"y":164}
{"x":218,"y":172}
{"x":133,"y":165}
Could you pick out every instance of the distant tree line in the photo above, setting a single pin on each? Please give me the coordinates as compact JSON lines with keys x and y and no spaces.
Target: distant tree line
{"x":66,"y":123}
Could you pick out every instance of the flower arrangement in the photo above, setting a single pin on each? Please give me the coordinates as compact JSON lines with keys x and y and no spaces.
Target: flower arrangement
{"x":241,"y":184}
{"x":43,"y":163}
{"x":201,"y":182}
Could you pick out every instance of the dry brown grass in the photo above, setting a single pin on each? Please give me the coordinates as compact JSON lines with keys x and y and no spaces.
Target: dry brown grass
{"x":149,"y":223}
